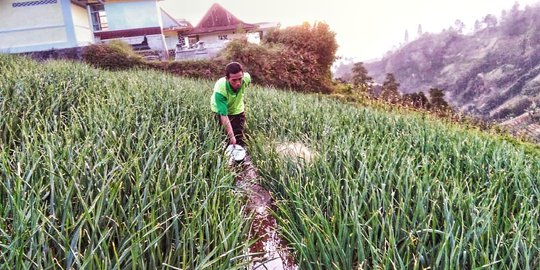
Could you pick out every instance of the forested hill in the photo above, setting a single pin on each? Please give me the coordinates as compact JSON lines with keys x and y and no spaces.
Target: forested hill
{"x":493,"y":72}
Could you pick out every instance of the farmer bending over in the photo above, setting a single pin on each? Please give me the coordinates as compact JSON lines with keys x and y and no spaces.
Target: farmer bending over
{"x":227,"y":102}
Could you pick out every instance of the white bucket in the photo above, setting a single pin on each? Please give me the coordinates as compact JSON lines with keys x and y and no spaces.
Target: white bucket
{"x":237,"y":152}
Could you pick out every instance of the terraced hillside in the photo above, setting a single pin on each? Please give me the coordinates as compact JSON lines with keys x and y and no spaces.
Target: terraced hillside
{"x":526,"y":125}
{"x":492,"y":73}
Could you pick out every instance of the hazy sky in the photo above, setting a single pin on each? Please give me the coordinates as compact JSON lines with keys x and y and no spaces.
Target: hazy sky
{"x":365,"y":29}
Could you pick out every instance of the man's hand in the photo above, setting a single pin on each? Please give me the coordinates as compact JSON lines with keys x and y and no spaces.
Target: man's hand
{"x":228,"y":128}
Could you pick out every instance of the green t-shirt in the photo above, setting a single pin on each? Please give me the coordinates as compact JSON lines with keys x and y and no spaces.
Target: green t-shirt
{"x":225,"y":101}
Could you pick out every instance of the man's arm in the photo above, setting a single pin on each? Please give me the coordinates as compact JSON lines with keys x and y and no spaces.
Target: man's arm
{"x":223,"y":110}
{"x":226,"y":123}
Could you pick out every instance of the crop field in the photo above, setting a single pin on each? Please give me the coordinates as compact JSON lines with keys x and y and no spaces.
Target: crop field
{"x":117,"y":170}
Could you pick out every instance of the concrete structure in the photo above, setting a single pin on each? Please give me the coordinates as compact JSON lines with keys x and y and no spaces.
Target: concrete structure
{"x":138,"y":23}
{"x":218,"y":27}
{"x":43,"y":25}
{"x":29,"y":26}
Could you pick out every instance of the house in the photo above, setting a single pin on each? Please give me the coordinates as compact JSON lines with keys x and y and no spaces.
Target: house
{"x":135,"y":22}
{"x":42,"y":25}
{"x":174,"y":30}
{"x":217,"y":27}
{"x":57,"y":24}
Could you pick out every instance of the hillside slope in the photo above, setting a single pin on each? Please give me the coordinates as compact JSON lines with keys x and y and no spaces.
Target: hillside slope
{"x":125,"y":170}
{"x":493,"y":73}
{"x":526,"y":125}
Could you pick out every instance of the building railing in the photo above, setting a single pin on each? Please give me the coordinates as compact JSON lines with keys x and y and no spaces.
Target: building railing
{"x":197,"y":51}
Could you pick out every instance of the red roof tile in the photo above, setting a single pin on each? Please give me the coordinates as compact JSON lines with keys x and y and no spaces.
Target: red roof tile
{"x":218,"y":19}
{"x":128,"y":33}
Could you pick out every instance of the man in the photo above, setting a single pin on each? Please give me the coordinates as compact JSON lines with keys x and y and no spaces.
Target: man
{"x":227,"y":102}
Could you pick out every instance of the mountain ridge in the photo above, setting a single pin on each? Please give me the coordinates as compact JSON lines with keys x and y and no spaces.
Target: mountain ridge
{"x":493,"y":73}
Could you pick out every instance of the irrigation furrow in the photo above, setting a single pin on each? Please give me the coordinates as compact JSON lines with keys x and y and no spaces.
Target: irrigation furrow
{"x":269,"y":250}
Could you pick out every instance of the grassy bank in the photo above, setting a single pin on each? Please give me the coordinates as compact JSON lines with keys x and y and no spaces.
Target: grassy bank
{"x":396,"y":191}
{"x":111,"y":170}
{"x":125,"y":170}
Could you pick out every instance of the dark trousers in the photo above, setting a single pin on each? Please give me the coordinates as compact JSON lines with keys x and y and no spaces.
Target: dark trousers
{"x":238,"y":123}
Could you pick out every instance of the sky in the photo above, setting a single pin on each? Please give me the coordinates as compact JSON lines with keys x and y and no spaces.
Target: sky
{"x":365,"y":29}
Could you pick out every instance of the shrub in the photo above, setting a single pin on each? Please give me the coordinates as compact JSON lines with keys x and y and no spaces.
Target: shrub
{"x":317,"y":39}
{"x":416,"y":100}
{"x":116,"y":55}
{"x":317,"y":43}
{"x":203,"y":69}
{"x":279,"y":66}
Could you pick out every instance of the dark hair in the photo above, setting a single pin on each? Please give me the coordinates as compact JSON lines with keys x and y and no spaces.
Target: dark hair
{"x":232,"y":68}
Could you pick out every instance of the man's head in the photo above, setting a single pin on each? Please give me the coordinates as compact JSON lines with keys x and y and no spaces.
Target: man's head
{"x":234,"y":74}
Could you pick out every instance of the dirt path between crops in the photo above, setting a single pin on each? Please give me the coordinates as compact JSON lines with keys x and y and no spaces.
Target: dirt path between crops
{"x":270,"y":251}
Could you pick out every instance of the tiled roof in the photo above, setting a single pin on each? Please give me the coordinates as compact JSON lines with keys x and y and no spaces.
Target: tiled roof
{"x":172,"y":24}
{"x":219,"y":19}
{"x":128,"y":33}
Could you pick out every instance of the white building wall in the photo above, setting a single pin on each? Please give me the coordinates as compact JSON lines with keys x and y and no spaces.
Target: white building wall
{"x":129,"y":15}
{"x":213,"y":41}
{"x":27,"y":26}
{"x":83,"y":31}
{"x":171,"y":42}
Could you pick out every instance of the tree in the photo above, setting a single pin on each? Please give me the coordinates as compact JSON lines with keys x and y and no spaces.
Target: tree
{"x":343,"y":71}
{"x":459,"y":26}
{"x":390,"y":90}
{"x":518,"y":23}
{"x":406,"y":39}
{"x":514,"y":12}
{"x":317,"y":41}
{"x":417,"y":100}
{"x":315,"y":46}
{"x":490,"y":21}
{"x":419,"y":31}
{"x":437,"y":101}
{"x":477,"y":26}
{"x":360,"y":76}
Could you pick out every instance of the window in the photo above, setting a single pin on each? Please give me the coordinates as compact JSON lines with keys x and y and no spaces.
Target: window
{"x":192,"y":41}
{"x":99,"y":18}
{"x":181,"y":40}
{"x":223,"y":37}
{"x":33,"y":3}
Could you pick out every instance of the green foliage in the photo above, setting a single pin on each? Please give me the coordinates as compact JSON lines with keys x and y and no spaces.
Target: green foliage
{"x":123,"y":170}
{"x":413,"y":103}
{"x":360,"y":76}
{"x":349,"y":92}
{"x":262,"y":62}
{"x":344,"y":88}
{"x":390,"y":89}
{"x":296,"y":58}
{"x":317,"y":40}
{"x":279,"y":66}
{"x":395,"y":190}
{"x":103,"y":170}
{"x":437,"y":101}
{"x":116,"y":55}
{"x":416,"y":100}
{"x":199,"y":69}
